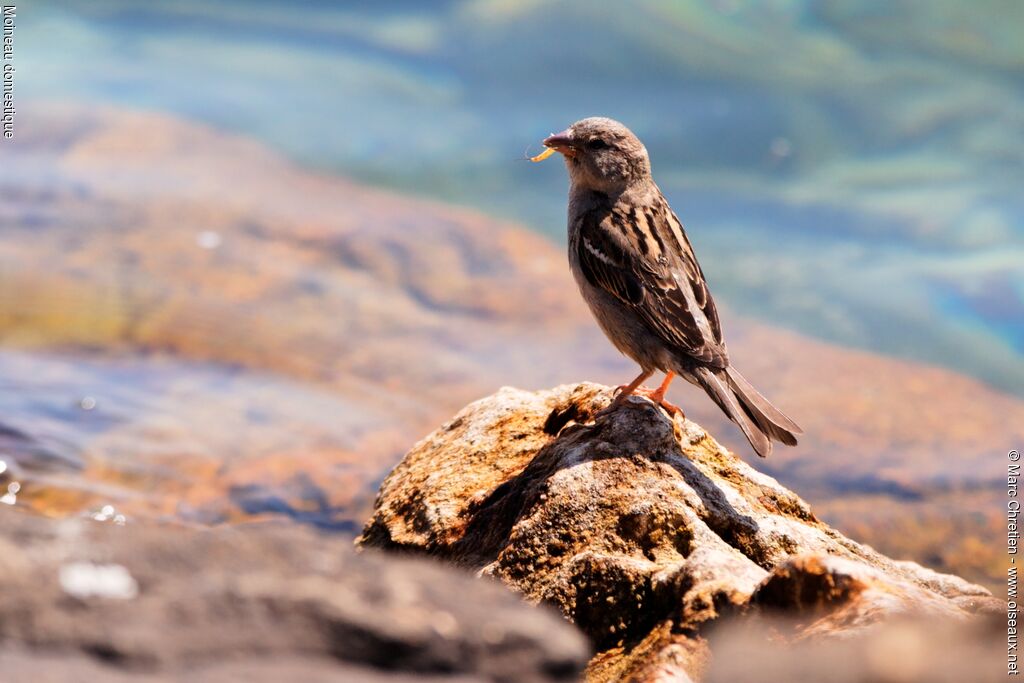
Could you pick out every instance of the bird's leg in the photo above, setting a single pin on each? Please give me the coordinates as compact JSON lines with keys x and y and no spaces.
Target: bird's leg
{"x":624,"y":391}
{"x":658,"y":395}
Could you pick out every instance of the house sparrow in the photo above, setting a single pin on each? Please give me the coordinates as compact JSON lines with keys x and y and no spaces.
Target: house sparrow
{"x":638,"y":273}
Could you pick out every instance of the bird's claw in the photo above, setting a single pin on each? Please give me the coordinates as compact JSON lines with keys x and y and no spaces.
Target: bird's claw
{"x":657,"y":397}
{"x":619,"y":389}
{"x":671,"y":408}
{"x":653,"y":395}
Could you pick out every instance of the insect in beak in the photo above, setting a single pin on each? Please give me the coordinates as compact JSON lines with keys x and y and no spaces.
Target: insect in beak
{"x":559,"y":142}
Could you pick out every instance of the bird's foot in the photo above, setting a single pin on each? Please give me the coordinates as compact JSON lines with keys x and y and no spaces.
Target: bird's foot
{"x":630,"y":389}
{"x":620,"y":397}
{"x":657,"y":397}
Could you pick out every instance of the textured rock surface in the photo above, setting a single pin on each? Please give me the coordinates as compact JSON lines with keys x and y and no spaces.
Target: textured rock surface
{"x":89,"y":601}
{"x":642,"y":530}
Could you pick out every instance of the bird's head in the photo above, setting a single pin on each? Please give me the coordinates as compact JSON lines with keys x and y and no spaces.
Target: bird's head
{"x":602,"y":155}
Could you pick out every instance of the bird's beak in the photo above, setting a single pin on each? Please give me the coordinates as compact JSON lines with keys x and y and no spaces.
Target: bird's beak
{"x":561,"y":142}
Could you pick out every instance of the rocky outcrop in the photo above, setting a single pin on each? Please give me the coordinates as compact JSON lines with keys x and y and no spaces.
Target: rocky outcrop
{"x":83,"y":600}
{"x":641,"y":529}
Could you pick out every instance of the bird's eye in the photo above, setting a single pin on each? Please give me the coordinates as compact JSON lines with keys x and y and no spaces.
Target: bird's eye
{"x":597,"y":143}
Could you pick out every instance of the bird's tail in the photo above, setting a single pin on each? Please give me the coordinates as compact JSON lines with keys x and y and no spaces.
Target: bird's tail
{"x":761,"y":422}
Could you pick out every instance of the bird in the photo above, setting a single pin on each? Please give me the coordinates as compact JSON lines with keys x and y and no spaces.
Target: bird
{"x":638,"y":273}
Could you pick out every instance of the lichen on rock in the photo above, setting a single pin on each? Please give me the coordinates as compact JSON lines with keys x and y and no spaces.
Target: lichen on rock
{"x":639,"y":527}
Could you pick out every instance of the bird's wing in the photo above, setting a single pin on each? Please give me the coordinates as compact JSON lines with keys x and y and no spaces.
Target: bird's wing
{"x":641,"y":255}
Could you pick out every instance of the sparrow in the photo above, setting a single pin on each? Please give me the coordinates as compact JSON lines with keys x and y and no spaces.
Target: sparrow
{"x":638,"y":273}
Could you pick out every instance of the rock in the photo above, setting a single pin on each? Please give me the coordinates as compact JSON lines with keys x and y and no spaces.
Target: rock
{"x":901,"y":650}
{"x":641,"y":529}
{"x":84,"y":600}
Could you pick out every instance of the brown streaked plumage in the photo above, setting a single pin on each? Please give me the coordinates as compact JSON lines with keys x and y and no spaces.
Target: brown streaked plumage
{"x":637,"y":271}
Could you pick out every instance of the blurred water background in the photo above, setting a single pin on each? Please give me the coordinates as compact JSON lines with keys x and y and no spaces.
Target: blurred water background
{"x":849,"y":169}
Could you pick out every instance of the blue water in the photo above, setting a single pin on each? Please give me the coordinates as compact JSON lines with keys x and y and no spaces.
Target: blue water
{"x":852,"y":170}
